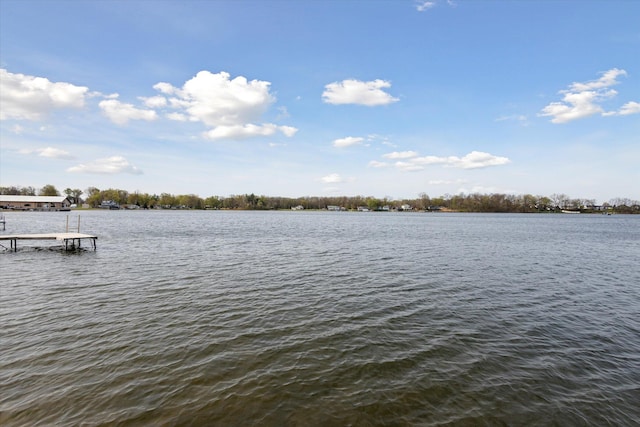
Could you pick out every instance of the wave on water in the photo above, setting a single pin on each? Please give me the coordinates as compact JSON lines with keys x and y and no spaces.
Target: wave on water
{"x":278,"y":318}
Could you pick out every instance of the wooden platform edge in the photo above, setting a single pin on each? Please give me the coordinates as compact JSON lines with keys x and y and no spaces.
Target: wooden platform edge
{"x":65,"y":237}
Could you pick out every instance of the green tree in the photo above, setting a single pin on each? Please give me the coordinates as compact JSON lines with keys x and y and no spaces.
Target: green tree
{"x":73,"y":195}
{"x":190,"y":201}
{"x":93,"y":196}
{"x":212,"y":202}
{"x":48,"y":190}
{"x":373,"y":203}
{"x":9,"y":191}
{"x":167,"y":201}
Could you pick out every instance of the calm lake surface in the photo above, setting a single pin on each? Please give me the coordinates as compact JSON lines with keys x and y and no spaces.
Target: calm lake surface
{"x":322,"y":319}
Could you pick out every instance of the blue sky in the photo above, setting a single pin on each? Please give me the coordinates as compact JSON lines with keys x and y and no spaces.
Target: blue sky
{"x":317,"y":98}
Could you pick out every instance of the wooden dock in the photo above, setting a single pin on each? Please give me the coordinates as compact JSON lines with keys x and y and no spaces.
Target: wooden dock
{"x":71,"y":240}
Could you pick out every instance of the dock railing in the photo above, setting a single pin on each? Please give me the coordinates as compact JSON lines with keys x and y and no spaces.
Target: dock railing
{"x":77,"y":229}
{"x":71,"y":239}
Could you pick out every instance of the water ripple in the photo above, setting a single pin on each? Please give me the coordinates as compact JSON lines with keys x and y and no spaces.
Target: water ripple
{"x":278,"y":318}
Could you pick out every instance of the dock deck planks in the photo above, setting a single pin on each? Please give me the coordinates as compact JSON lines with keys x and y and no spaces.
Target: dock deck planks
{"x":65,"y":237}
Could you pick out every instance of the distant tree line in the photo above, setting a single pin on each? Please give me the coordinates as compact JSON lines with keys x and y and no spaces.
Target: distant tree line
{"x":460,"y":203}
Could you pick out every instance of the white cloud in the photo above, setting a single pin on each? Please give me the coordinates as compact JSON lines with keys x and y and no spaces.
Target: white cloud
{"x":400,"y":155}
{"x":165,"y":88}
{"x":178,"y":117}
{"x":217,"y":100}
{"x":608,"y":79}
{"x":109,"y":166}
{"x":629,"y":108}
{"x":348,"y":141}
{"x":288,"y":130}
{"x":49,"y":152}
{"x":120,"y":113}
{"x":247,"y":131}
{"x":358,"y":92}
{"x":55,"y":153}
{"x":473,"y":160}
{"x":230,"y":107}
{"x":584,"y":99}
{"x":476,"y":160}
{"x":377,"y":164}
{"x":332,"y":178}
{"x":154,"y":101}
{"x":31,"y":98}
{"x":575,"y":106}
{"x":425,"y":5}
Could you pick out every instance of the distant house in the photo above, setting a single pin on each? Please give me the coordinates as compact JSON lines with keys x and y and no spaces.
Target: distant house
{"x":109,"y":204}
{"x":35,"y":203}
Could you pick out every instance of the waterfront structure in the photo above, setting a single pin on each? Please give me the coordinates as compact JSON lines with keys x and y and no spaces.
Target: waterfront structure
{"x":35,"y":203}
{"x":71,"y":240}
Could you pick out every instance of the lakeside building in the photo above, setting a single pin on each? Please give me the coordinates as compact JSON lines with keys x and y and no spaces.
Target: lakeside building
{"x":35,"y":203}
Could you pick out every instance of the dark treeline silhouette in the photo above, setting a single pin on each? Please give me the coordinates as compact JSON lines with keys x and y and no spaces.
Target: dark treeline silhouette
{"x":94,"y":197}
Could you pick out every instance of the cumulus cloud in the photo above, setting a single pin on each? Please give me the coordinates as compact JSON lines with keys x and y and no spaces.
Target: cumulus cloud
{"x":216,"y":100}
{"x":230,"y":107}
{"x":358,"y":92}
{"x":248,"y":130}
{"x":348,"y":141}
{"x":154,"y":101}
{"x":109,"y":166}
{"x":629,"y":108}
{"x":31,"y":98}
{"x":332,"y":178}
{"x":120,"y":113}
{"x":410,"y":161}
{"x":582,"y":100}
{"x":178,"y":117}
{"x":49,"y":152}
{"x":400,"y":155}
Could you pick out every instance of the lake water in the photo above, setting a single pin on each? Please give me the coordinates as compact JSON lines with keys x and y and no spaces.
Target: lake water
{"x":322,"y":319}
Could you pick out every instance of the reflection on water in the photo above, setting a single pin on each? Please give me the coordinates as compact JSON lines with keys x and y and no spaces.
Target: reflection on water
{"x":323,"y":318}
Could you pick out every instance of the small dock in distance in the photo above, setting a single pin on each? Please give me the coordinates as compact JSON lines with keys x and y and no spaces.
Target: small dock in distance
{"x":71,"y":241}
